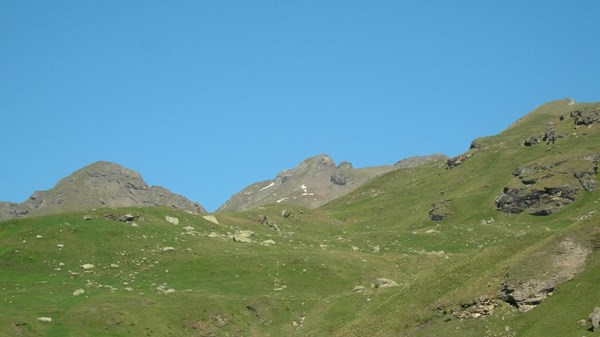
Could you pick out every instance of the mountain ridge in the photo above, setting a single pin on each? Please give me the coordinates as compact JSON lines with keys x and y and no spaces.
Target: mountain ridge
{"x":100,"y":184}
{"x":314,"y":182}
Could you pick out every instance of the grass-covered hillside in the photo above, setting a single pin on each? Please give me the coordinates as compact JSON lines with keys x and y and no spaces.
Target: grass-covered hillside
{"x":512,"y":250}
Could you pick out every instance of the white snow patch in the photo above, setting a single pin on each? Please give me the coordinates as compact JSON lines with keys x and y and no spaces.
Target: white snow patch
{"x":264,"y":188}
{"x":303,"y":187}
{"x":308,"y":193}
{"x":280,"y":200}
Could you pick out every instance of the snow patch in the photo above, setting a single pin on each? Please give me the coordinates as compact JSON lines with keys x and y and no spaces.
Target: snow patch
{"x":280,"y":200}
{"x":264,"y":188}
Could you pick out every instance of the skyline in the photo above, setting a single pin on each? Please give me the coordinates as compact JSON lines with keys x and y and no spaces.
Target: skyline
{"x":205,"y":99}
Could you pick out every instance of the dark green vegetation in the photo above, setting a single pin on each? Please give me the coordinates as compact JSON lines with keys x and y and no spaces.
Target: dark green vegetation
{"x":192,"y":279}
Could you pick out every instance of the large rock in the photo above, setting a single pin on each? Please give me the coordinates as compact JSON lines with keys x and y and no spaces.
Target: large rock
{"x":383,"y":283}
{"x":99,"y":185}
{"x":542,"y":188}
{"x":594,"y":318}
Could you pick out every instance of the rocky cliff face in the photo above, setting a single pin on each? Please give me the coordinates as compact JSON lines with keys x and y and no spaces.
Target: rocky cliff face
{"x":314,"y":182}
{"x":101,"y":184}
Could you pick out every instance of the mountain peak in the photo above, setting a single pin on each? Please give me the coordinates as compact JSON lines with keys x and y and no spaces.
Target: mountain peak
{"x":100,"y":184}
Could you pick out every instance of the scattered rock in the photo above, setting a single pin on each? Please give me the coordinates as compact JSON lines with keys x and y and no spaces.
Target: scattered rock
{"x":383,"y":283}
{"x":483,"y":306}
{"x":265,"y":221}
{"x":87,"y":217}
{"x":87,"y":266}
{"x":163,"y":289}
{"x":440,"y":210}
{"x":173,"y":220}
{"x":594,"y":318}
{"x":44,"y":319}
{"x":167,"y":249}
{"x":221,"y":319}
{"x":359,"y":289}
{"x":268,"y":242}
{"x":285,"y":213}
{"x":78,"y":292}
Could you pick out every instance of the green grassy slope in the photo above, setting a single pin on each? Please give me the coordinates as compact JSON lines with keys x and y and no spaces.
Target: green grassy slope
{"x":303,"y":284}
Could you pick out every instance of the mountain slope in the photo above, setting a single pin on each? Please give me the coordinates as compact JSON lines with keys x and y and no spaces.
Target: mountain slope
{"x":420,"y":251}
{"x":314,"y":182}
{"x":101,"y":184}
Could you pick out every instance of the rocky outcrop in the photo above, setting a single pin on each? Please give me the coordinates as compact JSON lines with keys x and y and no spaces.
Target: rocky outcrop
{"x":99,"y":185}
{"x":542,"y":188}
{"x":587,"y":116}
{"x":550,"y":136}
{"x":339,"y":178}
{"x":440,"y":210}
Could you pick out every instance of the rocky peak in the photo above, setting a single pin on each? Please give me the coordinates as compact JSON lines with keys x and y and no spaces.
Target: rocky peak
{"x":101,"y":184}
{"x":315,"y":181}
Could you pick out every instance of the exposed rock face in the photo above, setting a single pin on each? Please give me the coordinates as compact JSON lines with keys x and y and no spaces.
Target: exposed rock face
{"x":440,"y":210}
{"x":314,"y":182}
{"x":543,"y":188}
{"x":587,"y":116}
{"x":101,"y":184}
{"x":339,"y":178}
{"x":564,"y":265}
{"x":411,"y":162}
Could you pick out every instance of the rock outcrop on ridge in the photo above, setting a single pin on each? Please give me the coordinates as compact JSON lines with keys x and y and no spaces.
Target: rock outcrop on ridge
{"x":101,"y":184}
{"x":314,"y":182}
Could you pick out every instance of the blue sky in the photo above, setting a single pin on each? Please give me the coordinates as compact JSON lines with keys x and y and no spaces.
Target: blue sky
{"x":205,"y":98}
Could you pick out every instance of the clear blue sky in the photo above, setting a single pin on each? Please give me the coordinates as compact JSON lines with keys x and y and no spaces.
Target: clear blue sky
{"x":206,"y":97}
